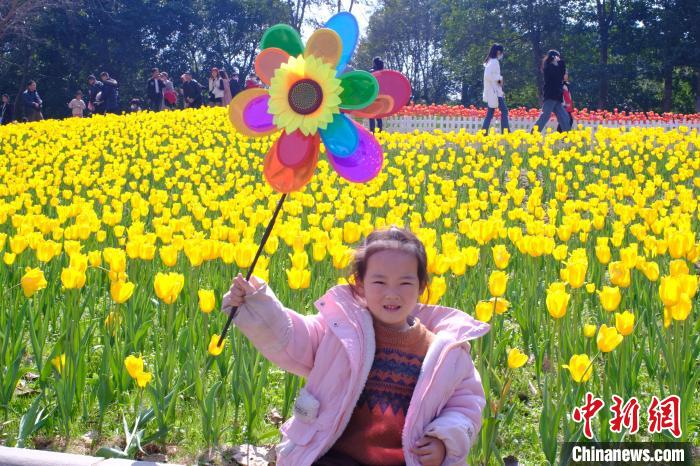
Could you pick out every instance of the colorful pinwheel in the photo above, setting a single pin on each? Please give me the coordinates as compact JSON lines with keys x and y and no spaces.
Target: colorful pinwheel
{"x":308,"y":99}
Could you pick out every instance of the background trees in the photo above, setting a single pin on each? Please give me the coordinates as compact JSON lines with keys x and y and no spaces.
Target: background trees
{"x":634,"y":54}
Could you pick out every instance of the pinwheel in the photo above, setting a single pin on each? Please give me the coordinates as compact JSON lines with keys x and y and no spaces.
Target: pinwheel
{"x":311,"y":98}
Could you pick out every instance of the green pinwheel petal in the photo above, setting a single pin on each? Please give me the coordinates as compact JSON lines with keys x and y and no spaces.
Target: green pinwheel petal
{"x":359,"y":89}
{"x":284,"y":37}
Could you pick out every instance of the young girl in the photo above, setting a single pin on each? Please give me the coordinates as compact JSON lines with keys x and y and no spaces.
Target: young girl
{"x":77,"y":105}
{"x":389,"y":381}
{"x":553,"y":69}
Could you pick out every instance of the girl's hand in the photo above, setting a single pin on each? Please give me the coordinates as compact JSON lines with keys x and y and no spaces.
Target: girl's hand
{"x":430,"y":450}
{"x":240,"y":288}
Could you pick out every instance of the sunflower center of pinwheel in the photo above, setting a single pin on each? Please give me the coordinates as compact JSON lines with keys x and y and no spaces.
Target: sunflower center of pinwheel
{"x":305,"y":96}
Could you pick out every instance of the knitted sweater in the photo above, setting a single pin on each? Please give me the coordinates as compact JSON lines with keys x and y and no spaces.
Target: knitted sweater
{"x":373,"y":435}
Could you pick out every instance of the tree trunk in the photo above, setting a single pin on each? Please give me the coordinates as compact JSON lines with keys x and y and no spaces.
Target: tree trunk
{"x":604,"y":84}
{"x":465,"y":92}
{"x":697,"y":90}
{"x":668,"y":88}
{"x":537,"y":62}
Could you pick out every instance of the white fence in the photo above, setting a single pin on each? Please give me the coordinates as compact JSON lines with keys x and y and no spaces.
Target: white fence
{"x":407,"y":124}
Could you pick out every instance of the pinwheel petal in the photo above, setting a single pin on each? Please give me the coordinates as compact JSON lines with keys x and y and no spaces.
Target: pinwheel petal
{"x":326,"y":45}
{"x":340,"y":136}
{"x":285,"y":37}
{"x":382,"y":105}
{"x":284,"y":179}
{"x":267,"y":62}
{"x":248,"y":113}
{"x":294,"y":149}
{"x":395,"y":85}
{"x":364,"y":163}
{"x":360,"y":89}
{"x":345,"y":24}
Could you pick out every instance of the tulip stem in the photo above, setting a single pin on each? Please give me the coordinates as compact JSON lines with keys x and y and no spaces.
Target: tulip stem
{"x":266,"y":235}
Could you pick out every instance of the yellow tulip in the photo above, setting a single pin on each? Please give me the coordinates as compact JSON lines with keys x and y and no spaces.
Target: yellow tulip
{"x":624,"y":322}
{"x":207,"y":300}
{"x":608,"y":338}
{"x":95,"y":258}
{"x":121,"y":291}
{"x":32,"y":281}
{"x":590,"y":288}
{"x":134,"y":365}
{"x":213,"y":349}
{"x":9,"y":258}
{"x":143,"y":379}
{"x":298,"y":278}
{"x":497,"y":283}
{"x":72,"y":279}
{"x":300,"y":260}
{"x":670,"y":290}
{"x":589,"y":330}
{"x":678,"y":267}
{"x":516,"y":358}
{"x":688,"y":284}
{"x":603,"y":254}
{"x":619,"y":274}
{"x":501,"y":256}
{"x":576,"y":273}
{"x":319,"y":251}
{"x":610,"y":298}
{"x":168,"y":254}
{"x":168,"y":286}
{"x":471,"y":256}
{"x":112,"y":321}
{"x":59,"y":362}
{"x":557,"y":301}
{"x":484,"y":311}
{"x":651,"y":271}
{"x":681,"y":310}
{"x":245,"y":253}
{"x":580,"y":368}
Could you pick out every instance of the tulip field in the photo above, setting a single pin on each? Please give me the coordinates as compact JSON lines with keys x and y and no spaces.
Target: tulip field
{"x":119,"y":236}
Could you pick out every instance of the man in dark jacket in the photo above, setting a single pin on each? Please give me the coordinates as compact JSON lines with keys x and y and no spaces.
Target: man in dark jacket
{"x":553,"y":69}
{"x":110,"y":93}
{"x":32,"y":103}
{"x":154,"y":91}
{"x":235,"y":83}
{"x":192,"y":91}
{"x":94,"y":88}
{"x":6,"y":116}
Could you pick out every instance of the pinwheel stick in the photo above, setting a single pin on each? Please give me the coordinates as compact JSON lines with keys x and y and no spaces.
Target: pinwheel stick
{"x":266,"y":235}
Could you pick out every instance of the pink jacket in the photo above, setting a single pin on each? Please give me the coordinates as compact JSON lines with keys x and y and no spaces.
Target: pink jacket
{"x":334,"y":351}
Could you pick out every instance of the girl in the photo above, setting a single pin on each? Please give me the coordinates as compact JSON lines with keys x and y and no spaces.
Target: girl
{"x":389,"y":381}
{"x":169,"y":94}
{"x":77,"y":105}
{"x":554,"y":70}
{"x":377,"y":65}
{"x":216,"y":88}
{"x":568,"y":102}
{"x":493,"y":88}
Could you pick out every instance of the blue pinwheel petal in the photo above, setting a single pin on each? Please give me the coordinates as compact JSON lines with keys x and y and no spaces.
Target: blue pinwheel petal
{"x":340,"y":136}
{"x":345,"y":24}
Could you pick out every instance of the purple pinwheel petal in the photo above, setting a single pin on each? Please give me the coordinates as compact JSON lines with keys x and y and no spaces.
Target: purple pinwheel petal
{"x":256,"y":115}
{"x":364,"y":163}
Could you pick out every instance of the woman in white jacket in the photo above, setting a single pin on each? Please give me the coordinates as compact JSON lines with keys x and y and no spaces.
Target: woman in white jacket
{"x":493,"y":88}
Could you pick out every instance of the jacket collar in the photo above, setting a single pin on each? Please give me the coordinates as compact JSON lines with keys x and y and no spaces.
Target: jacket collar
{"x":452,"y":322}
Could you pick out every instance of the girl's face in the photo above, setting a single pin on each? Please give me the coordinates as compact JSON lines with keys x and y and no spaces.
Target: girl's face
{"x":391,"y":287}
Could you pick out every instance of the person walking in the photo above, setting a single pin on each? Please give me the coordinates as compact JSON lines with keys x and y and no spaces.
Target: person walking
{"x":493,"y":88}
{"x":191,"y":90}
{"x":377,"y":65}
{"x":568,"y":102}
{"x":6,"y":111}
{"x":94,"y":104}
{"x":169,"y":94}
{"x":154,"y":90}
{"x":234,"y":83}
{"x":227,"y":88}
{"x":110,"y":93}
{"x":77,"y":105}
{"x":553,"y":69}
{"x":32,"y":103}
{"x":216,"y":88}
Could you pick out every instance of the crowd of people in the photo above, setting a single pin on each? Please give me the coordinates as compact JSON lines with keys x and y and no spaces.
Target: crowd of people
{"x":103,"y":94}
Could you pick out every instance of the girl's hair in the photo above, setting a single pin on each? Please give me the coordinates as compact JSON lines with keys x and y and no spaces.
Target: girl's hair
{"x":493,"y":52}
{"x":390,"y":239}
{"x":548,"y":58}
{"x":378,"y":63}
